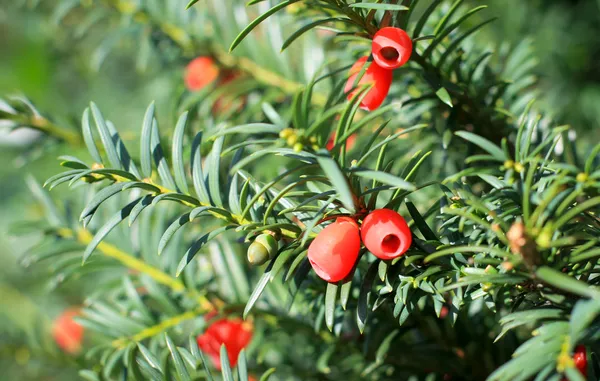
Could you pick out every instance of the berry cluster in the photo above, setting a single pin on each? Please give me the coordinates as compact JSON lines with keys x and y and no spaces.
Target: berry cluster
{"x":334,"y":252}
{"x":391,"y":48}
{"x":297,"y":140}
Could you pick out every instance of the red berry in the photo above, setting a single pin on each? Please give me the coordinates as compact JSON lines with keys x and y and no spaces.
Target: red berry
{"x":67,"y":333}
{"x":200,"y":72}
{"x":235,"y":333}
{"x":226,"y":102}
{"x":335,"y":250}
{"x":380,"y":78}
{"x":580,"y":359}
{"x":349,"y":142}
{"x":391,"y":48}
{"x":386,"y":234}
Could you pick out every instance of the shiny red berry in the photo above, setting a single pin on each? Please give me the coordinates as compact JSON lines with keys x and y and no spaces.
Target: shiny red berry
{"x":334,"y":252}
{"x":391,"y":48}
{"x":235,"y":333}
{"x":381,"y":80}
{"x":386,"y":234}
{"x":67,"y":333}
{"x":350,"y":142}
{"x":200,"y":72}
{"x":580,"y":359}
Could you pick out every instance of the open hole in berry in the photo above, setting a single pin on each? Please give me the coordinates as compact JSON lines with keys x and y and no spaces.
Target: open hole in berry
{"x":390,"y":243}
{"x":390,"y":53}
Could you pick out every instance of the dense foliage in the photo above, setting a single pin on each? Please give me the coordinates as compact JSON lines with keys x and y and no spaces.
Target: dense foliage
{"x":155,"y":221}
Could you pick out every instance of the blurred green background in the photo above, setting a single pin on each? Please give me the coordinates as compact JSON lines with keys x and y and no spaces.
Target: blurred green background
{"x":37,"y":59}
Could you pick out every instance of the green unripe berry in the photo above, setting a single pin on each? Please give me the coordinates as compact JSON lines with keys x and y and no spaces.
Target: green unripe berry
{"x":298,"y":147}
{"x":262,"y":249}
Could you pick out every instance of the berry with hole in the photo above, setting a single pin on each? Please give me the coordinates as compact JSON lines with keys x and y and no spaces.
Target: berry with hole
{"x":391,"y":48}
{"x":386,"y":234}
{"x":380,"y":79}
{"x":334,"y":252}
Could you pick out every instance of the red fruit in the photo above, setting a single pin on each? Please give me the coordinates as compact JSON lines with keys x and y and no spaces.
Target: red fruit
{"x":349,"y":142}
{"x":67,"y":333}
{"x":374,"y":74}
{"x":225,"y":102}
{"x":200,"y":72}
{"x":235,"y":333}
{"x":391,"y":48}
{"x":444,"y":312}
{"x":386,"y":234}
{"x":335,"y":250}
{"x":580,"y":359}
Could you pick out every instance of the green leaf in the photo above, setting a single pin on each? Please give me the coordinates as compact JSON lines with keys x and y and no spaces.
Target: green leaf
{"x":152,"y":360}
{"x":146,"y":201}
{"x":88,"y":137}
{"x":177,"y":154}
{"x":442,"y":93}
{"x":107,"y":227}
{"x":345,"y":289}
{"x":425,"y":17}
{"x":145,"y":144}
{"x":384,"y":348}
{"x":100,"y":197}
{"x":337,"y":178}
{"x":191,"y":4}
{"x":330,"y":299}
{"x":214,"y":165}
{"x":564,"y":282}
{"x":484,"y":144}
{"x":380,"y":7}
{"x":105,"y":136}
{"x":171,"y":230}
{"x":242,"y":366}
{"x":456,"y":42}
{"x":182,"y":373}
{"x":124,"y":156}
{"x":240,"y":37}
{"x":384,"y":178}
{"x":196,"y":246}
{"x":362,"y":307}
{"x":195,"y":349}
{"x":467,"y":249}
{"x":159,"y":158}
{"x":259,"y":288}
{"x":305,"y":28}
{"x":197,"y":173}
{"x":225,"y":366}
{"x":267,"y":374}
{"x":428,"y":234}
{"x":251,"y":128}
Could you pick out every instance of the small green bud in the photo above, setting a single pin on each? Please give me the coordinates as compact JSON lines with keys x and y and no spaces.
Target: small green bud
{"x":298,"y":147}
{"x":263,"y":248}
